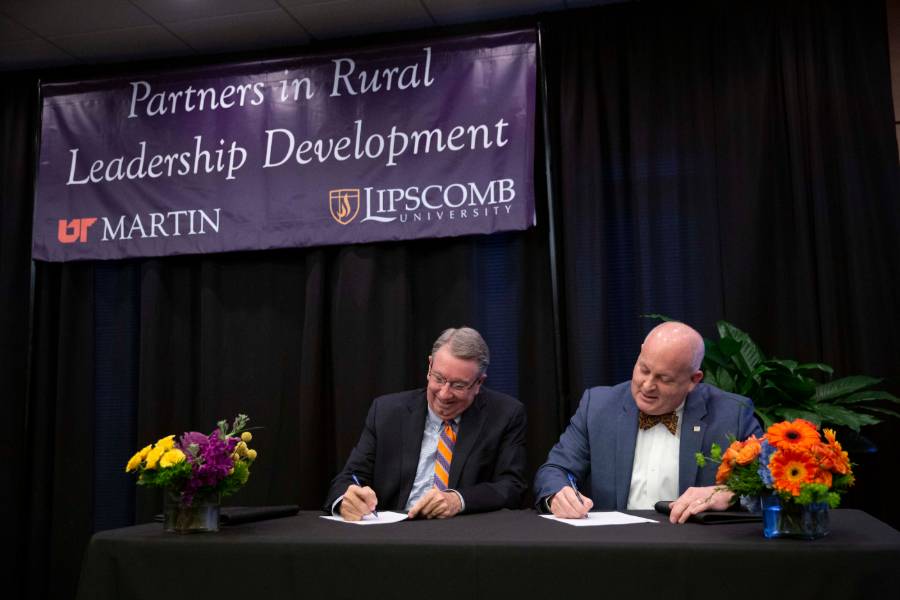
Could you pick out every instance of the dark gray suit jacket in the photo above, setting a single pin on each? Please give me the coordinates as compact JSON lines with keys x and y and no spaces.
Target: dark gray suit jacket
{"x":488,"y":466}
{"x":598,"y":445}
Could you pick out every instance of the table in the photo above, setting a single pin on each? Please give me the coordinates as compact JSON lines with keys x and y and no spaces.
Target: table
{"x":505,"y":554}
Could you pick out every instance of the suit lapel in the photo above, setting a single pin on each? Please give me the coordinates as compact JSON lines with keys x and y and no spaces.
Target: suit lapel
{"x":693,"y":429}
{"x":411,"y":436}
{"x":469,"y":431}
{"x":626,"y":437}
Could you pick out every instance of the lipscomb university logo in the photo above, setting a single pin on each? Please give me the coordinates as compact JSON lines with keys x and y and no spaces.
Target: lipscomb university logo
{"x":344,"y":204}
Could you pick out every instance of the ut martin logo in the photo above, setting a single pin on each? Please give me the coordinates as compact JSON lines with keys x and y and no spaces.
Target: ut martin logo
{"x":343,"y":204}
{"x":76,"y":230}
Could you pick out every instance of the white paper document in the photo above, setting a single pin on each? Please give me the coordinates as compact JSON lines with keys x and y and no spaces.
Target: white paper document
{"x":595,"y":519}
{"x":384,"y":517}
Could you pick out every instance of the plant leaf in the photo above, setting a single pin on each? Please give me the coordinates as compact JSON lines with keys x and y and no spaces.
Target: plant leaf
{"x":713,"y":355}
{"x":816,"y":367}
{"x":745,"y":386}
{"x":790,"y":365}
{"x":883,"y":411}
{"x":727,"y":330}
{"x":657,"y":316}
{"x":842,"y":387}
{"x":762,"y":369}
{"x":840,"y":415}
{"x":789,"y":414}
{"x":726,"y":381}
{"x":796,"y":386}
{"x":782,"y":395}
{"x":868,"y":396}
{"x":729,"y":347}
{"x":750,"y":355}
{"x":765,"y":416}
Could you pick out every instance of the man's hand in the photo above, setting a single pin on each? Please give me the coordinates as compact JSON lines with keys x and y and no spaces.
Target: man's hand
{"x":358,"y":502}
{"x":696,"y":500}
{"x":436,"y":504}
{"x":566,"y":505}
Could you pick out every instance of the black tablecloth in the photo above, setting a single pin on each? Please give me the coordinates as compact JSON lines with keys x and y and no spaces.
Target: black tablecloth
{"x":494,"y":555}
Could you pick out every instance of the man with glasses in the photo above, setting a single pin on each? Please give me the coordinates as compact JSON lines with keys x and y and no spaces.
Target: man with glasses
{"x":454,"y":446}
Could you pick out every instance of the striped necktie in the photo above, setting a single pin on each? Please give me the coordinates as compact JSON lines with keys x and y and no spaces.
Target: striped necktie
{"x":444,"y":456}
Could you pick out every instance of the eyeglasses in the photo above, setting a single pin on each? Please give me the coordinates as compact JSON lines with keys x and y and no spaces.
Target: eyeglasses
{"x":456,"y":386}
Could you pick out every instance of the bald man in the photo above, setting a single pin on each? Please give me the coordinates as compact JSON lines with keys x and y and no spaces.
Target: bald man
{"x":632,"y":445}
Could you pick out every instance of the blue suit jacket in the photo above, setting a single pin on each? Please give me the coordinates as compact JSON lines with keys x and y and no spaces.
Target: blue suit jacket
{"x":598,"y":445}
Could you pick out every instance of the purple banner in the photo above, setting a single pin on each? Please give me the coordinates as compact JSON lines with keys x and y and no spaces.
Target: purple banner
{"x":430,"y":139}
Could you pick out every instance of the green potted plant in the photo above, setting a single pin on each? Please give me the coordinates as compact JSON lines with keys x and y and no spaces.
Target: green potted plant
{"x":787,"y":389}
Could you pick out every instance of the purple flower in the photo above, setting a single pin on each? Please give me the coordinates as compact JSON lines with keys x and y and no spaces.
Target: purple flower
{"x":210,"y":457}
{"x":192,"y":438}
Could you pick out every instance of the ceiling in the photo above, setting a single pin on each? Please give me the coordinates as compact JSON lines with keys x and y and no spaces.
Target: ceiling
{"x":38,"y":34}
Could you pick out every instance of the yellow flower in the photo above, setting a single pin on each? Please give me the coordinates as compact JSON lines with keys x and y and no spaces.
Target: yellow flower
{"x":171,"y":457}
{"x":241,"y":448}
{"x":166,"y":442}
{"x":246,"y":436}
{"x":138,"y":457}
{"x":154,"y":456}
{"x":251,"y":454}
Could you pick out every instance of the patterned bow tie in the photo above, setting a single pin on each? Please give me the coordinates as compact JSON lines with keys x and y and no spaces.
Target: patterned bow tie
{"x":670,"y":420}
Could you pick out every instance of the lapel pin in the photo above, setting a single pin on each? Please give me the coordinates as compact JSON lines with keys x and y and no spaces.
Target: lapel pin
{"x":696,"y":429}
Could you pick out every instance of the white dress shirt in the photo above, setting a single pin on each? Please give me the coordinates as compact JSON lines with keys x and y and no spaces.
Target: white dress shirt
{"x":654,"y":475}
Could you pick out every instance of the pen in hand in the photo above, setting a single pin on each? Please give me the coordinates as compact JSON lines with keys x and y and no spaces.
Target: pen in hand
{"x":356,"y":481}
{"x":575,"y":487}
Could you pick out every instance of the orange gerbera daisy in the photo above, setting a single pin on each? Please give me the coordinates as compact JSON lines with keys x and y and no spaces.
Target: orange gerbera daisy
{"x":791,"y":469}
{"x":798,"y":434}
{"x":748,"y":452}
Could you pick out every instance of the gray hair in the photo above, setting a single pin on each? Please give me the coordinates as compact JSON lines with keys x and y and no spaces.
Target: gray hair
{"x":464,"y":343}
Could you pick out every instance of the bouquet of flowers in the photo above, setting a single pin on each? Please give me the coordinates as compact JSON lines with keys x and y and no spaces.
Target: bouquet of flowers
{"x":792,"y":461}
{"x":198,"y":465}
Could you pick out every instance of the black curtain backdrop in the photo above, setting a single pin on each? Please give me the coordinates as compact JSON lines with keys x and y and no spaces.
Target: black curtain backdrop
{"x":18,"y":101}
{"x":710,"y":162}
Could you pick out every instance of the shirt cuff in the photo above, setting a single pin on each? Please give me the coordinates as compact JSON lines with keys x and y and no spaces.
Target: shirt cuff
{"x":462,"y":501}
{"x":544,"y":504}
{"x":334,"y":506}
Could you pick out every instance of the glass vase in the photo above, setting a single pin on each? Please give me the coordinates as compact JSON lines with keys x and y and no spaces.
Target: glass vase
{"x":782,"y":519}
{"x":201,"y":516}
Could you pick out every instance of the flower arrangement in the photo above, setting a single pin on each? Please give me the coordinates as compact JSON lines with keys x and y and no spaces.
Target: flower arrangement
{"x":198,"y":465}
{"x":792,"y":461}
